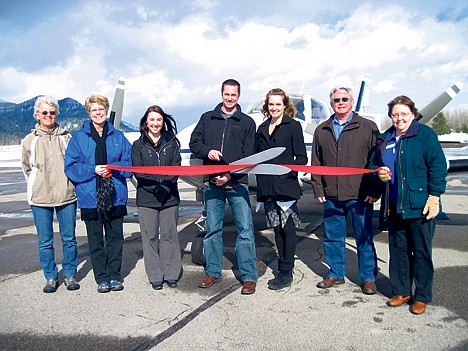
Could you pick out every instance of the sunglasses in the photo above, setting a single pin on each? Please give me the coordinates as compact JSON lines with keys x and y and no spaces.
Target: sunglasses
{"x":52,"y":113}
{"x":336,"y":100}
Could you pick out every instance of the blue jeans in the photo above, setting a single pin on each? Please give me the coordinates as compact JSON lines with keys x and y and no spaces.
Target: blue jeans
{"x":43,"y":218}
{"x":334,"y":243}
{"x":238,"y":198}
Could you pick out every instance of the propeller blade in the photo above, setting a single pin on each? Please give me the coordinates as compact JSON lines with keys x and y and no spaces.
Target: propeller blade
{"x":436,"y":105}
{"x":117,"y":105}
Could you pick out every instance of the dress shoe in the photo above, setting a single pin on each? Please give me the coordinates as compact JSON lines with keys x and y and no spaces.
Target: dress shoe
{"x":208,"y":281}
{"x":328,"y":282}
{"x":248,"y":287}
{"x":398,"y":300}
{"x":418,"y":307}
{"x":369,"y":288}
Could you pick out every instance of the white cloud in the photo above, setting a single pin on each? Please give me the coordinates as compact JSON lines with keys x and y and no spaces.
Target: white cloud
{"x":178,"y":59}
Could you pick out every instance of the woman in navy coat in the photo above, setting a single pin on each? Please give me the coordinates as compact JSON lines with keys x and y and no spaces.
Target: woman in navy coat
{"x":414,"y":176}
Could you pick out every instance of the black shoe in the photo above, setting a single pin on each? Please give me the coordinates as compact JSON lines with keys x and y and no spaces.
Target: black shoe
{"x":171,"y":283}
{"x":282,"y":280}
{"x":157,"y":285}
{"x":71,"y":283}
{"x":103,"y":287}
{"x":51,"y":285}
{"x":116,"y":285}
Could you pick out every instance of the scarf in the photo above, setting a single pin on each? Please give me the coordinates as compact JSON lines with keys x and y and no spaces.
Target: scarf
{"x":105,"y":189}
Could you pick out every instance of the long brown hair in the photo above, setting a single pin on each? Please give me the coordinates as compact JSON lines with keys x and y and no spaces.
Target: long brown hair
{"x":290,"y":110}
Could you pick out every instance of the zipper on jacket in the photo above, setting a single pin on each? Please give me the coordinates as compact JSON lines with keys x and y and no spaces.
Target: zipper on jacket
{"x":401,"y":175}
{"x":224,"y":132}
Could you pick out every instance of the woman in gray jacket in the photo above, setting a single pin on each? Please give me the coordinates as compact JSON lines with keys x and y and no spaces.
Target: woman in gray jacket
{"x":158,"y":197}
{"x":49,"y":189}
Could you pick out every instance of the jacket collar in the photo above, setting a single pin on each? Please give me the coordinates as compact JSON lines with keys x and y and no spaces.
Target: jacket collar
{"x":87,"y":127}
{"x":166,"y":138}
{"x":56,"y":131}
{"x":412,"y":130}
{"x":329,"y":122}
{"x":286,"y":120}
{"x":216,"y":113}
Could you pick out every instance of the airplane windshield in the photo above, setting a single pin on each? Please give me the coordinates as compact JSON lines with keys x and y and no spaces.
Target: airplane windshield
{"x":316,"y":109}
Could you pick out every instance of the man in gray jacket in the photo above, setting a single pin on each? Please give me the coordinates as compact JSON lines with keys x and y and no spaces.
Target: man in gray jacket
{"x":345,"y":140}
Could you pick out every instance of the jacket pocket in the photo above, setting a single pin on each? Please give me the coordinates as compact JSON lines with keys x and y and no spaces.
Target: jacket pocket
{"x":417,"y":192}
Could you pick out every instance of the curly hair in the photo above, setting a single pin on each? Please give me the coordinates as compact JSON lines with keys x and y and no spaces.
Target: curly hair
{"x":290,"y":110}
{"x":46,"y":99}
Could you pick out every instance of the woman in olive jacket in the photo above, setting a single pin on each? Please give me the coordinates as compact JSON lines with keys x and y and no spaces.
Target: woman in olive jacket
{"x":158,"y":197}
{"x":281,"y":192}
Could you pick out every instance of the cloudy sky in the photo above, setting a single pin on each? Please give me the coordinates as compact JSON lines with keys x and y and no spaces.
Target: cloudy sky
{"x":176,"y":53}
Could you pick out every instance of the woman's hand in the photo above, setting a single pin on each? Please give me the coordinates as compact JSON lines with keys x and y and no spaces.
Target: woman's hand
{"x":103,"y":171}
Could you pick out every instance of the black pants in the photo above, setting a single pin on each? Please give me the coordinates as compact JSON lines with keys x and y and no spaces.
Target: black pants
{"x":105,"y":251}
{"x":286,"y":242}
{"x":410,"y":247}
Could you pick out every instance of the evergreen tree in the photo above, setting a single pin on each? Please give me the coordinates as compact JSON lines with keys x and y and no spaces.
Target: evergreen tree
{"x":440,"y":124}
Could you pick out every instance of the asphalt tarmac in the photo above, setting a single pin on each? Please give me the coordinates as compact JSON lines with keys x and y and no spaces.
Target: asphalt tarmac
{"x":301,"y":317}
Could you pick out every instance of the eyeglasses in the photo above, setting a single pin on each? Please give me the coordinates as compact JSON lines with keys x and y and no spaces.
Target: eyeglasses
{"x":337,"y":100}
{"x":52,"y":113}
{"x":402,"y":115}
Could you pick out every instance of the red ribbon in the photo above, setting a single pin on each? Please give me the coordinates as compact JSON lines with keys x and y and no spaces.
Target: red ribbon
{"x":181,"y":170}
{"x":329,"y":170}
{"x":213,"y":169}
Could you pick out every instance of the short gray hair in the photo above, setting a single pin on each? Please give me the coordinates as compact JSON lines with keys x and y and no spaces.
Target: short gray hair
{"x":46,"y":99}
{"x":342,"y":87}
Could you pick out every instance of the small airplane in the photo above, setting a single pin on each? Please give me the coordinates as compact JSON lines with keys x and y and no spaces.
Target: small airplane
{"x":311,"y":111}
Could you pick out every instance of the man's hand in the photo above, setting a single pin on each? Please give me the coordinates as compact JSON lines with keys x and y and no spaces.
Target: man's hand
{"x":222,"y":179}
{"x":432,"y":207}
{"x":384,"y":174}
{"x":370,"y":199}
{"x":215,"y":155}
{"x":321,"y":199}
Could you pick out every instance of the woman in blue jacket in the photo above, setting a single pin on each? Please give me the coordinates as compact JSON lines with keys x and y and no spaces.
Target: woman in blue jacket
{"x":281,"y":192}
{"x":158,"y":197}
{"x":102,"y":194}
{"x":414,"y":173}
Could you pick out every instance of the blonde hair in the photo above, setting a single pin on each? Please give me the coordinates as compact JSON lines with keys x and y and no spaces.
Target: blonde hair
{"x":98,"y":99}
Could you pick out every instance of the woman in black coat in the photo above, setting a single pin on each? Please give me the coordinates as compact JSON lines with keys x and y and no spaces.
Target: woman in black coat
{"x":158,"y":197}
{"x":281,"y":192}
